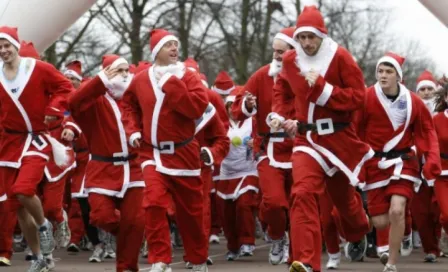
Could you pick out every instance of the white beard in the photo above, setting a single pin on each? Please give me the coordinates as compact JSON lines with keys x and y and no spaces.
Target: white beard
{"x":177,"y":69}
{"x":430,"y":104}
{"x":118,"y":85}
{"x":275,"y":67}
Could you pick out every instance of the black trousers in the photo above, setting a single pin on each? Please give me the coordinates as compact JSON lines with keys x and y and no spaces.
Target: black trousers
{"x":92,"y":231}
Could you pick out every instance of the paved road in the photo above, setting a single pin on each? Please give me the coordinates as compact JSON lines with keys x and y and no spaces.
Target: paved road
{"x":257,"y":263}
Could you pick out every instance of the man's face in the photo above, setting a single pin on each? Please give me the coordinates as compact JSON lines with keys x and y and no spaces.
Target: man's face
{"x":75,"y":82}
{"x":169,"y":53}
{"x":387,"y":76}
{"x":279,"y":47}
{"x":8,"y":52}
{"x":123,"y":69}
{"x":426,"y":92}
{"x":309,"y":42}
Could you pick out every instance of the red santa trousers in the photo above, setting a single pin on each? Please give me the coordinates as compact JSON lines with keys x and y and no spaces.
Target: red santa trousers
{"x":426,"y":214}
{"x":216,"y":211}
{"x":382,"y":240}
{"x":24,"y":180}
{"x":124,"y":218}
{"x":275,"y":183}
{"x":75,"y":222}
{"x":187,"y":193}
{"x":330,"y":226}
{"x":52,"y":196}
{"x":8,"y":220}
{"x":441,"y":192}
{"x":207,"y":178}
{"x":239,"y":217}
{"x":309,"y":183}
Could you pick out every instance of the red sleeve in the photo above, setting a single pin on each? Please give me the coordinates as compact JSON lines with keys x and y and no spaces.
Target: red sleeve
{"x":347,"y":98}
{"x":282,"y":99}
{"x":239,"y":110}
{"x":218,"y":103}
{"x":71,"y":124}
{"x":360,"y":120}
{"x":58,"y":87}
{"x":86,"y":95}
{"x":132,"y":113}
{"x":216,"y":134}
{"x":187,"y":96}
{"x":426,"y":141}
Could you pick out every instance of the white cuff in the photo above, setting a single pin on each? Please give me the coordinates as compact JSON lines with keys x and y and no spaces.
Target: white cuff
{"x":245,"y":111}
{"x":209,"y":154}
{"x":74,"y":125}
{"x":134,"y":136}
{"x":104,"y":79}
{"x":164,"y":79}
{"x":429,"y":181}
{"x":271,"y":116}
{"x":325,"y":95}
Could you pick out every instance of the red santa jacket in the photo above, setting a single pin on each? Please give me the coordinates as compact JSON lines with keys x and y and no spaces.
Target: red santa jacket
{"x":38,"y":90}
{"x":54,"y":173}
{"x":167,"y":114}
{"x":113,"y":167}
{"x":378,"y":127}
{"x":277,"y":149}
{"x":337,"y":93}
{"x":441,"y":126}
{"x":213,"y":137}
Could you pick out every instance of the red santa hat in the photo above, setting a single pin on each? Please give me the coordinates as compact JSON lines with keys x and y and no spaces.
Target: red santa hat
{"x":204,"y":80}
{"x":11,"y":35}
{"x":74,"y":69}
{"x":113,"y":61}
{"x":311,"y":20}
{"x":223,"y":84}
{"x":159,"y":37}
{"x":396,"y":61}
{"x":192,"y":65}
{"x":426,"y":79}
{"x":287,"y":35}
{"x":27,"y":49}
{"x":232,"y":96}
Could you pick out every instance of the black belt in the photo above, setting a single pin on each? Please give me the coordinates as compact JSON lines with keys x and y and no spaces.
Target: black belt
{"x":172,"y":145}
{"x":397,"y":153}
{"x":81,"y":150}
{"x":302,"y":128}
{"x":274,"y":135}
{"x":113,"y":159}
{"x":444,"y":156}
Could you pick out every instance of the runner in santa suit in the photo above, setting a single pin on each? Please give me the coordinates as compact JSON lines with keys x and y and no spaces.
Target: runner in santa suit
{"x":424,"y":208}
{"x":8,"y":218}
{"x":113,"y":179}
{"x":441,"y":183}
{"x":165,"y":106}
{"x":326,"y":87}
{"x":392,"y":121}
{"x":273,"y":150}
{"x":238,"y":187}
{"x":32,"y":96}
{"x":214,"y":145}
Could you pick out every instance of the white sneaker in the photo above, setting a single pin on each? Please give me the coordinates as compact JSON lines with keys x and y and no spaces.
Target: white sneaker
{"x":28,"y":254}
{"x":200,"y":268}
{"x":214,"y":239}
{"x":276,"y":252}
{"x":46,"y":238}
{"x":285,"y":249}
{"x":247,"y":250}
{"x":50,"y":262}
{"x":416,"y":240}
{"x":231,"y":256}
{"x":406,"y":246}
{"x":334,"y":261}
{"x":267,"y":238}
{"x":98,"y":254}
{"x":390,"y":268}
{"x":144,"y":250}
{"x":63,"y":234}
{"x":384,"y":257}
{"x":5,"y":261}
{"x":109,"y":252}
{"x":443,"y":243}
{"x":160,"y":267}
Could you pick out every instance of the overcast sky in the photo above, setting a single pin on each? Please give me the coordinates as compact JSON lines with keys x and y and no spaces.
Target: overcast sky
{"x":411,"y":20}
